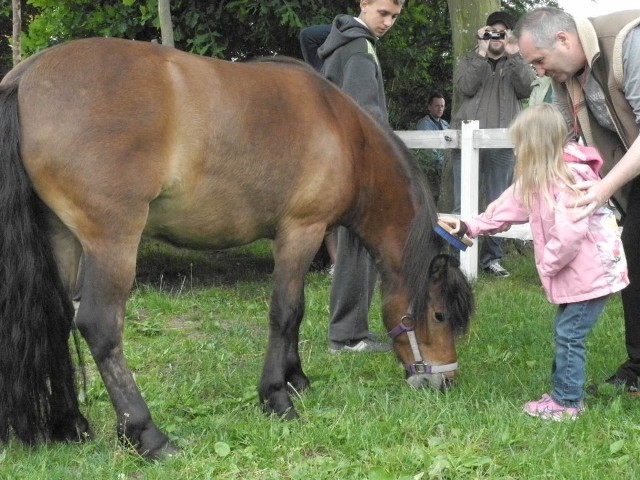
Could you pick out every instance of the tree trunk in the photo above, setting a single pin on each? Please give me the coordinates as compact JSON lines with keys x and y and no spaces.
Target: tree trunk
{"x":17,"y":27}
{"x":166,"y":26}
{"x":466,"y":18}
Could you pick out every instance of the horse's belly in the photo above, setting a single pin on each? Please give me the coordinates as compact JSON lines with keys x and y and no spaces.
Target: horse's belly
{"x":207,"y":228}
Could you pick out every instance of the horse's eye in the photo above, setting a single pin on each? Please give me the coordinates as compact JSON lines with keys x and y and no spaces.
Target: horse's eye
{"x":440,"y":316}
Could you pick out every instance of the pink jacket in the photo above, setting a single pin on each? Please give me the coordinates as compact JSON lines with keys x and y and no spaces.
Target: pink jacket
{"x":576,"y":261}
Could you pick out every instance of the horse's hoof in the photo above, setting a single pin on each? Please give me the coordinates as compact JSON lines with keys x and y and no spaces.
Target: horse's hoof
{"x":278,"y":404}
{"x":298,"y":384}
{"x":167,"y":451}
{"x":76,"y":431}
{"x":288,"y":413}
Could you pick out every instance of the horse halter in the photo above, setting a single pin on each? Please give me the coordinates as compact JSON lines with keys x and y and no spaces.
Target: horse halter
{"x":407,"y":325}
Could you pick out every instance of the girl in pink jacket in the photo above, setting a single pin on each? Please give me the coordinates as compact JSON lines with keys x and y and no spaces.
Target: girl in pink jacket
{"x":580,"y":263}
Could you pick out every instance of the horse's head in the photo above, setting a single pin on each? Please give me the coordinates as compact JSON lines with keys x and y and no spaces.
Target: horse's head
{"x":424,"y":337}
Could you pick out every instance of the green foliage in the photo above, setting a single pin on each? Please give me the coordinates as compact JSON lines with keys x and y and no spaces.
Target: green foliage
{"x":416,"y":59}
{"x":58,"y":22}
{"x":416,"y":55}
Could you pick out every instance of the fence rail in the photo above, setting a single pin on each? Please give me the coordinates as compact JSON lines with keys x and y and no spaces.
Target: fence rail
{"x":470,"y":139}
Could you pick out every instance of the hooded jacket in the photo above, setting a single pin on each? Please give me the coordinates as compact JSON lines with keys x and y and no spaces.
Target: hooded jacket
{"x":490,"y":94}
{"x":576,"y":260}
{"x":602,"y":40}
{"x":350,"y":62}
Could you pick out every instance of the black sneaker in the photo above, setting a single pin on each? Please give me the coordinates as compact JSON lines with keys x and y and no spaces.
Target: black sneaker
{"x":628,"y":386}
{"x":496,"y":270}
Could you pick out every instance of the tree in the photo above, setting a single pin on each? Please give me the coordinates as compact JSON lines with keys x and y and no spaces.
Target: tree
{"x":416,"y":54}
{"x":17,"y":27}
{"x":166,"y":26}
{"x":466,"y":18}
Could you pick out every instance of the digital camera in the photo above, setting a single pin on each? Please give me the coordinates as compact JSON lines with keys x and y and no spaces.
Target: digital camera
{"x":493,"y":36}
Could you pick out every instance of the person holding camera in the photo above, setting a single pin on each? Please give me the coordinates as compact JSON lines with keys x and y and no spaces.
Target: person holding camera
{"x":491,"y":81}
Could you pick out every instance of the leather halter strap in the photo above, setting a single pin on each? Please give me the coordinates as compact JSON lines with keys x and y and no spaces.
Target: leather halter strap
{"x":407,"y":325}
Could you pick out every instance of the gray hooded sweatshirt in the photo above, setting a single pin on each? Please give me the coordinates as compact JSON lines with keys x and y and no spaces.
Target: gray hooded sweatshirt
{"x":351,"y":63}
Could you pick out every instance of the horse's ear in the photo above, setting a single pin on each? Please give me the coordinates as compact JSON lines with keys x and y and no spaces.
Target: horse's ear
{"x":453,"y":261}
{"x":438,"y":266}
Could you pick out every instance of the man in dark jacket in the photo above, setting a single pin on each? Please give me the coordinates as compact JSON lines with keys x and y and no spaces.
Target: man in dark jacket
{"x":491,"y":81}
{"x":349,"y":60}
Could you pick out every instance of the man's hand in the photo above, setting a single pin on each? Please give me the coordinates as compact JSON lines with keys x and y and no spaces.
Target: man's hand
{"x":593,"y":198}
{"x":483,"y":45}
{"x":511,"y":44}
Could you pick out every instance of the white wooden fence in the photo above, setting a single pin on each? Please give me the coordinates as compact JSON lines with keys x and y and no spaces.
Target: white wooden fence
{"x":470,"y":139}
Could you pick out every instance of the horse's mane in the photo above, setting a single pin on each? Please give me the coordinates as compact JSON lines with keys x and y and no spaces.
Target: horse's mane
{"x":422,"y":244}
{"x":422,"y":251}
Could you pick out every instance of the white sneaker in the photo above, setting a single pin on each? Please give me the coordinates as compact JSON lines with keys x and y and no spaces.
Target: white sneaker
{"x":496,"y":270}
{"x":365,"y":345}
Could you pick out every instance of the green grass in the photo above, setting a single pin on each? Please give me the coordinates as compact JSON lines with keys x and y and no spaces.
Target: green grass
{"x":195,"y":340}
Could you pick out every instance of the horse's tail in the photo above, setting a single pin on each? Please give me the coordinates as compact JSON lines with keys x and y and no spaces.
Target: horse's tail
{"x":37,"y":381}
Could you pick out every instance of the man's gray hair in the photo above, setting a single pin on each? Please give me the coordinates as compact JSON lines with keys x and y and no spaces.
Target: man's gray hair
{"x":542,"y":24}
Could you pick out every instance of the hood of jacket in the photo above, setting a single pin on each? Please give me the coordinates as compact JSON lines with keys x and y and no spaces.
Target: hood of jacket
{"x":344,"y":29}
{"x":588,"y":159}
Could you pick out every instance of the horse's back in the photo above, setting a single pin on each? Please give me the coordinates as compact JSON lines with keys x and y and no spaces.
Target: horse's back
{"x":202,"y":152}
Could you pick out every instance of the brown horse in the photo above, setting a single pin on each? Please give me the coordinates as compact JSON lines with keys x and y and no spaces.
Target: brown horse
{"x":105,"y":140}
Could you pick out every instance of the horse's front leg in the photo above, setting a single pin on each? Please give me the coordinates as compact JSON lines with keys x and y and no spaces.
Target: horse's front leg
{"x":100,"y":320}
{"x":282,"y":370}
{"x":282,"y":367}
{"x":297,"y":381}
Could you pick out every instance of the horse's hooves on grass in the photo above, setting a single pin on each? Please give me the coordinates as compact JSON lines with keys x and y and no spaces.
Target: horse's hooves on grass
{"x":279,"y":404}
{"x":167,"y":451}
{"x":289,"y":414}
{"x":298,"y":385}
{"x":73,"y":432}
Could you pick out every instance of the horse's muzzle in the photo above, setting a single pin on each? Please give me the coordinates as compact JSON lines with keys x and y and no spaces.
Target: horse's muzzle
{"x":439,"y":381}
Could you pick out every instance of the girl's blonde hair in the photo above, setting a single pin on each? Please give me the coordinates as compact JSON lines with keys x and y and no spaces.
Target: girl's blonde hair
{"x":539,"y":134}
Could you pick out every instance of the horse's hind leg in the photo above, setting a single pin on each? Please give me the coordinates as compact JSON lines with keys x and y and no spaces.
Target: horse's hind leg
{"x":293,"y":252}
{"x":67,"y":423}
{"x":108,"y":275}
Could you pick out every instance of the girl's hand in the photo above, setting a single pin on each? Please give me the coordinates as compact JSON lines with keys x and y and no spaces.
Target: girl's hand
{"x":453,"y":222}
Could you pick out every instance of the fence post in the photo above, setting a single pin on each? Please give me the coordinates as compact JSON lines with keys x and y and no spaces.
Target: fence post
{"x":469,"y":175}
{"x":469,"y":140}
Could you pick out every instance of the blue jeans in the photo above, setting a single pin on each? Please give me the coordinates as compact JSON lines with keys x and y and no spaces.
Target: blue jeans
{"x":496,"y":175}
{"x":572,"y":324}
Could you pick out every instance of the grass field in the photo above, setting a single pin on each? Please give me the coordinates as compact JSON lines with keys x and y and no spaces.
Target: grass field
{"x":195,"y":339}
